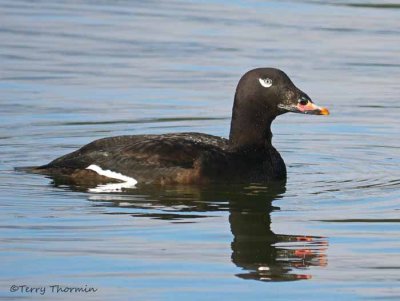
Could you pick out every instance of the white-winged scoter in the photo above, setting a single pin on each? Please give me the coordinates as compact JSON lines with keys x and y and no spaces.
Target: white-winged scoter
{"x":194,"y":158}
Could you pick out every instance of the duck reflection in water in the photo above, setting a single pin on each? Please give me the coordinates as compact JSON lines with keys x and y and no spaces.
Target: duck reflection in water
{"x":259,"y":252}
{"x":264,"y":255}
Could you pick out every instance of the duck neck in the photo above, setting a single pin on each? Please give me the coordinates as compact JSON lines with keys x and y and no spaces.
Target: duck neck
{"x":250,"y":128}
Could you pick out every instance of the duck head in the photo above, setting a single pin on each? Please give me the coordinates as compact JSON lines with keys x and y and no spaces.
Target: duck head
{"x":261,"y":95}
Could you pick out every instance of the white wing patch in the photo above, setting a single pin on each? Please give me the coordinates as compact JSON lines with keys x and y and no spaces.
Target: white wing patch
{"x":128,"y":182}
{"x":265,"y":82}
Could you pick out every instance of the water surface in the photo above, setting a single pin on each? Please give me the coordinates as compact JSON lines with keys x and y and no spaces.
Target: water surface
{"x":71,"y":72}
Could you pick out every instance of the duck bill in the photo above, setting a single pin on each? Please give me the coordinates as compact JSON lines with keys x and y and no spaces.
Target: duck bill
{"x":311,"y":108}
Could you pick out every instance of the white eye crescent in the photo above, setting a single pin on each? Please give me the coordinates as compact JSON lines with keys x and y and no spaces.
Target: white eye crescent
{"x":265,"y":82}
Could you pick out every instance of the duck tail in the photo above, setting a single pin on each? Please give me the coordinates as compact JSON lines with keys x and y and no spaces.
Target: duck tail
{"x":31,"y":169}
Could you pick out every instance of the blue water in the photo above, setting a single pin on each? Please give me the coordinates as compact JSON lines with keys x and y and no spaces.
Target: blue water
{"x":72,"y":72}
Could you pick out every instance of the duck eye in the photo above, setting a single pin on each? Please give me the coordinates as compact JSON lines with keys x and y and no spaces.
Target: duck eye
{"x":265,"y":82}
{"x":303,"y":101}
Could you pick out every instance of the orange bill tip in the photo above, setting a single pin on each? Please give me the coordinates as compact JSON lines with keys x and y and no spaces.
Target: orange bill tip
{"x":324,"y":111}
